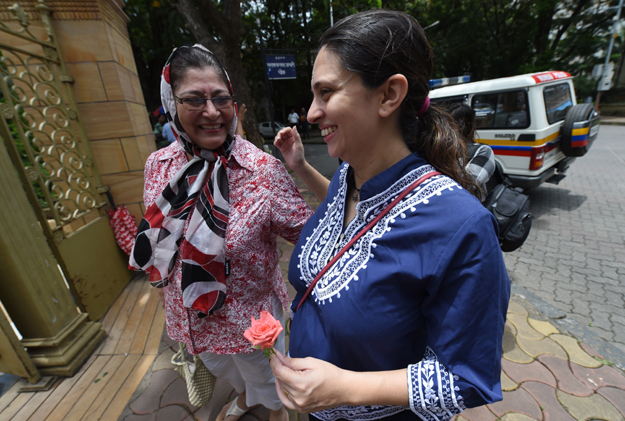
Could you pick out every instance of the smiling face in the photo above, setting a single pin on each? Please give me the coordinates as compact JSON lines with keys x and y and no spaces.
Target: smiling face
{"x":208,"y":127}
{"x":346,"y":110}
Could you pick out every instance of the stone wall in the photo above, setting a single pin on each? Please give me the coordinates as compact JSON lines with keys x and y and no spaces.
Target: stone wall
{"x":94,"y":42}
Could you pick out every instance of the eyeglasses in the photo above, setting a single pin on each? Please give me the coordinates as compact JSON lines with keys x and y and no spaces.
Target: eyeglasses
{"x":197,"y":104}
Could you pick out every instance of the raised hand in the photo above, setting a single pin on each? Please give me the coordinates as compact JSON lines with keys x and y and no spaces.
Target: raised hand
{"x":292,"y":148}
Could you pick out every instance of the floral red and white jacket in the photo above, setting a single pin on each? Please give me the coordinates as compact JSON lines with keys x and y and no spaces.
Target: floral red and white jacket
{"x":264,"y":204}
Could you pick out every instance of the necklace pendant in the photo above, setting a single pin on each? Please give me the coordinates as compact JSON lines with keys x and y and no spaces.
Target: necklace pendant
{"x":355,"y":197}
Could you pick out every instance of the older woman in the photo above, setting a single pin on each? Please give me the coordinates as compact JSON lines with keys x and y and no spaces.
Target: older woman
{"x":408,"y":323}
{"x":215,"y":204}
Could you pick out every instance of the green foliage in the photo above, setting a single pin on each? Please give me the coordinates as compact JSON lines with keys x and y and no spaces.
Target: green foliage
{"x":155,"y":29}
{"x":482,"y":38}
{"x":584,"y":87}
{"x":496,"y":38}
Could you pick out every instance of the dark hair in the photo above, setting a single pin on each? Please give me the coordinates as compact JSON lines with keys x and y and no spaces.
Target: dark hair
{"x":464,"y":116}
{"x":378,"y":44}
{"x":189,"y":57}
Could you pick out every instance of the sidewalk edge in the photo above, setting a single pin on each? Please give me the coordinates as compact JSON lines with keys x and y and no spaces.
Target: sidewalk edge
{"x":573,"y":327}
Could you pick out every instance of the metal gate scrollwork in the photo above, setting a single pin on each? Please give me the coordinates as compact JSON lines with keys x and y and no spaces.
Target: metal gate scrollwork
{"x":47,"y":141}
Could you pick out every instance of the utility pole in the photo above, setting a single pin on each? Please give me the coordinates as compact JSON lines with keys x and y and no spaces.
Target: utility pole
{"x":607,"y":57}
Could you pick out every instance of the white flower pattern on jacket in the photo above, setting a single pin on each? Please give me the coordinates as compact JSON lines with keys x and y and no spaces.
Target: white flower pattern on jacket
{"x":264,"y":203}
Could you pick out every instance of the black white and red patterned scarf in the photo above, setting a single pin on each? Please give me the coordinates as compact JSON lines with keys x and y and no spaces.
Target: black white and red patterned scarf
{"x":202,"y":184}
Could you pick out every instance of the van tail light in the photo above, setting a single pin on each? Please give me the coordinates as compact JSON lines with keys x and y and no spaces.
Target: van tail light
{"x":537,"y":158}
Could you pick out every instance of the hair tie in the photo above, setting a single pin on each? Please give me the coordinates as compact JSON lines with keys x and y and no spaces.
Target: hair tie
{"x":425,"y":106}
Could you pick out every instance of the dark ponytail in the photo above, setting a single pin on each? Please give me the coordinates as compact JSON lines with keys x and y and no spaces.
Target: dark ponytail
{"x":378,"y":44}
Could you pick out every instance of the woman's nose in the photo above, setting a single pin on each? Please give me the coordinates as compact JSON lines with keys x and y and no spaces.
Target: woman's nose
{"x":209,"y":110}
{"x":314,"y":113}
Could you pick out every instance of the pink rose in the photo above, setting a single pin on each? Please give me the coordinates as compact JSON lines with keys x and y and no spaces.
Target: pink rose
{"x":264,"y":331}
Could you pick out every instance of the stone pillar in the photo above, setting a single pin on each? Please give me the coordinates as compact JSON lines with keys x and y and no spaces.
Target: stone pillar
{"x":58,"y":338}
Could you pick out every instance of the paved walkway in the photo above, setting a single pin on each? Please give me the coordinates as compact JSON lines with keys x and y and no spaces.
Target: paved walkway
{"x":547,"y":375}
{"x":574,"y":258}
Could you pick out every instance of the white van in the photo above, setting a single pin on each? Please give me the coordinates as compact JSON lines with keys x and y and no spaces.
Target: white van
{"x":531,"y":122}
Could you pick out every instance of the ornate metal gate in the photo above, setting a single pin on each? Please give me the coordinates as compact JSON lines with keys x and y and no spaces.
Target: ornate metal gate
{"x":46,"y":140}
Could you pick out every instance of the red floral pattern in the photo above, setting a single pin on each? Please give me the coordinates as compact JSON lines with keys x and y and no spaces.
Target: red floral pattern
{"x":264,"y":203}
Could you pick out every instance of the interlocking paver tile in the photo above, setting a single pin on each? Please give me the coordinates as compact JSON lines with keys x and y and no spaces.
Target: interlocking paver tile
{"x":146,"y":417}
{"x":163,"y":361}
{"x":541,"y":347}
{"x":176,"y":394}
{"x":517,"y":401}
{"x":150,"y":399}
{"x":286,"y":253}
{"x":544,"y":328}
{"x":481,"y":413}
{"x":222,"y":393}
{"x":173,"y":344}
{"x":511,"y":350}
{"x":591,"y":351}
{"x":513,"y":416}
{"x":546,"y":397}
{"x":533,"y":371}
{"x":598,"y":377}
{"x":594,"y":407}
{"x":575,"y":352}
{"x":566,"y":379}
{"x":516,"y":308}
{"x":506,"y":382}
{"x":172,"y":413}
{"x":615,"y":396}
{"x":258,"y":413}
{"x":523,"y":328}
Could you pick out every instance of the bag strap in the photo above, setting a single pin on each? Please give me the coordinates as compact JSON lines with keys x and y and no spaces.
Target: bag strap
{"x":363,"y":231}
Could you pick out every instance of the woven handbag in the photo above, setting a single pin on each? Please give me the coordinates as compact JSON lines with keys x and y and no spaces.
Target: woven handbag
{"x":200,"y":381}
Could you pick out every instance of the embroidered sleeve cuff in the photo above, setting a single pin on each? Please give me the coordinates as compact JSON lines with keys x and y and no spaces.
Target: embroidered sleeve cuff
{"x":433,"y":395}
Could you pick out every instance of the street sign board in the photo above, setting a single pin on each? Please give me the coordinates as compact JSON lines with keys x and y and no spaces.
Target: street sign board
{"x":280,"y":66}
{"x":606,"y":78}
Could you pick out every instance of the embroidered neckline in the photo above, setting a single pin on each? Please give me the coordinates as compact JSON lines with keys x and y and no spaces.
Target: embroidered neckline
{"x":324,"y":241}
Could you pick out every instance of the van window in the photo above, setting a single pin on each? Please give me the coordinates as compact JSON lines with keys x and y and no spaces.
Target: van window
{"x":501,"y":110}
{"x":557,"y":101}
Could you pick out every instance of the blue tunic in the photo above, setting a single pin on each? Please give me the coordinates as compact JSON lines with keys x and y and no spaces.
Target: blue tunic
{"x":425,"y":289}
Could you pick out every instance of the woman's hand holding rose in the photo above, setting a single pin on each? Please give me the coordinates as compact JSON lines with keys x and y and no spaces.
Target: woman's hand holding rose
{"x":310,"y":384}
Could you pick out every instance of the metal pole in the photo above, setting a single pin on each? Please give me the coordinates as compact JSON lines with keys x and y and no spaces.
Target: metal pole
{"x":331,"y":15}
{"x":262,"y":52}
{"x":607,"y":57}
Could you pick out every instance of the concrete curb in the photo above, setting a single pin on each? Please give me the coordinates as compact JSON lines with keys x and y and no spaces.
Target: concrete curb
{"x":573,"y":327}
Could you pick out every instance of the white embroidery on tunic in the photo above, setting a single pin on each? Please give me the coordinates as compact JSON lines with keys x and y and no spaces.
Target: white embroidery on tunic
{"x":359,"y":413}
{"x":325,"y":240}
{"x":431,"y":390}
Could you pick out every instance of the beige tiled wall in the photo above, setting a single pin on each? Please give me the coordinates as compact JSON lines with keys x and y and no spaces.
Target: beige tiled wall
{"x":95,"y":46}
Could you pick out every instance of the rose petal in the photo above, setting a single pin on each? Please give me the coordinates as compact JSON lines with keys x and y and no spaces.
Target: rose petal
{"x":264,"y":331}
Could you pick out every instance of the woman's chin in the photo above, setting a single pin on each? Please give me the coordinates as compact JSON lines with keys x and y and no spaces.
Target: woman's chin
{"x":209,"y":142}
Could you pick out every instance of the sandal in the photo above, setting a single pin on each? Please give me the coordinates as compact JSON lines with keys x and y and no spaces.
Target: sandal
{"x":234,"y":410}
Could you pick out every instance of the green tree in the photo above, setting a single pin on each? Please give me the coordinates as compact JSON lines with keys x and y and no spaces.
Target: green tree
{"x":155,"y":30}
